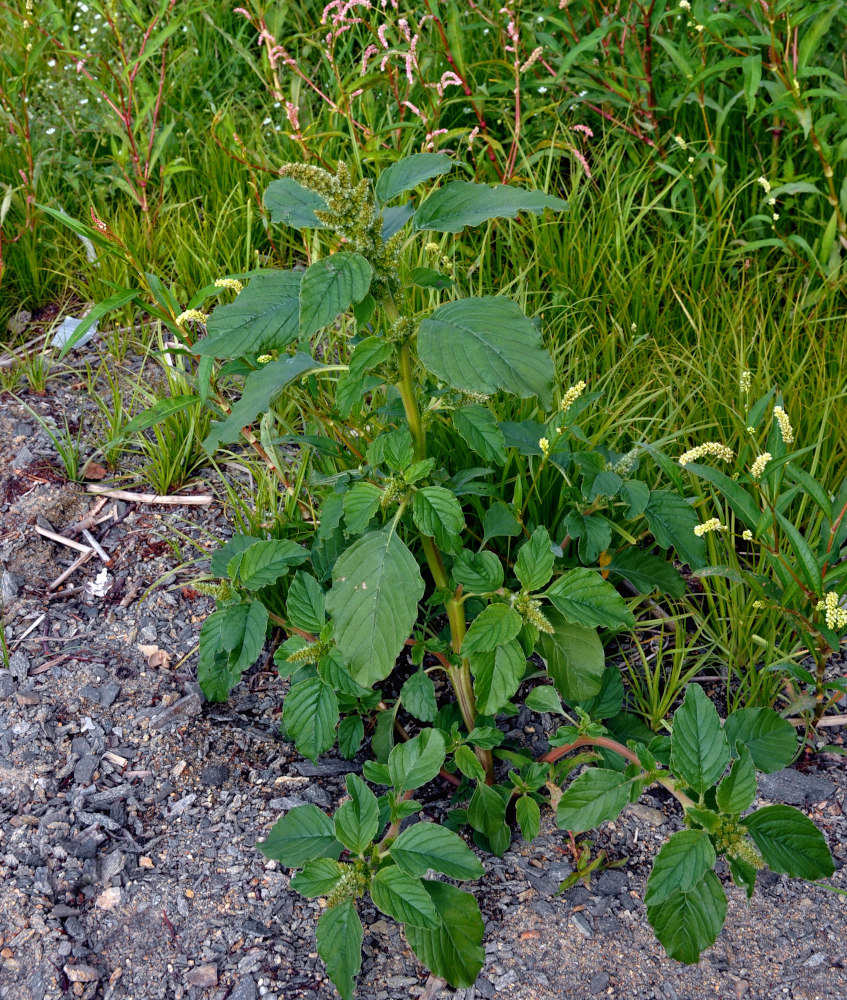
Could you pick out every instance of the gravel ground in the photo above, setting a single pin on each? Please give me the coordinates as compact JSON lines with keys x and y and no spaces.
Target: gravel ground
{"x":129,"y":810}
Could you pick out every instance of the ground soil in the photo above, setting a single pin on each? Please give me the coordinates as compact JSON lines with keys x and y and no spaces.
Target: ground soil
{"x":130,"y":808}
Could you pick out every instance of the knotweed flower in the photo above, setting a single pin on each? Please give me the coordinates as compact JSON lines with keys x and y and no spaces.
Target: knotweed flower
{"x":231,"y":283}
{"x":746,"y":381}
{"x":544,"y":445}
{"x":721,"y":451}
{"x":191,"y":316}
{"x":747,"y":535}
{"x":713,"y":524}
{"x":766,"y":184}
{"x":758,"y":467}
{"x":572,"y":395}
{"x":785,"y":428}
{"x":834,"y":614}
{"x":263,"y":359}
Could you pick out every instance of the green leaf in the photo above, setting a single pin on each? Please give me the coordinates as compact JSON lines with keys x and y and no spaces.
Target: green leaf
{"x":230,"y":641}
{"x":574,"y":657}
{"x":408,"y":173}
{"x":428,"y":277}
{"x":478,"y":572}
{"x":454,"y":949}
{"x":688,"y":922}
{"x":596,"y":796}
{"x":744,"y":506}
{"x":361,"y":502}
{"x":292,"y":204}
{"x":751,"y":67}
{"x":263,"y":318}
{"x":157,"y":413}
{"x":771,"y":740}
{"x":310,"y":715}
{"x":340,"y":946}
{"x":806,"y":561}
{"x":351,"y":732}
{"x":699,"y":749}
{"x":486,"y":810}
{"x":672,"y":521}
{"x":418,"y":696}
{"x":304,"y":607}
{"x":329,"y":287}
{"x":438,"y":514}
{"x":738,"y":789}
{"x":680,"y":865}
{"x":357,"y":819}
{"x":463,"y":203}
{"x":374,"y":603}
{"x":478,"y":428}
{"x":318,"y":878}
{"x":466,"y":761}
{"x":263,"y":563}
{"x":417,"y":761}
{"x":428,"y":845}
{"x":637,"y":496}
{"x":382,"y":741}
{"x":534,"y":565}
{"x":790,"y":842}
{"x":302,"y":834}
{"x":585,"y":598}
{"x":369,"y":354}
{"x":594,"y":534}
{"x":394,"y":218}
{"x":116,"y":301}
{"x":499,"y":522}
{"x":223,"y":557}
{"x":397,"y":448}
{"x":404,"y":898}
{"x":544,"y":699}
{"x":647,"y":572}
{"x":528,"y":816}
{"x":494,"y":626}
{"x":486,"y":344}
{"x":743,"y":874}
{"x":261,"y":387}
{"x":497,"y":675}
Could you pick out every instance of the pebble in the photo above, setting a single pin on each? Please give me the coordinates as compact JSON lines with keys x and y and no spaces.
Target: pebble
{"x":214,"y":775}
{"x":611,"y":883}
{"x":81,"y":973}
{"x":818,"y":958}
{"x":85,"y":769}
{"x":598,"y":982}
{"x":7,"y":684}
{"x":244,"y":990}
{"x":582,"y":925}
{"x":203,"y":975}
{"x":794,"y":787}
{"x":108,"y":898}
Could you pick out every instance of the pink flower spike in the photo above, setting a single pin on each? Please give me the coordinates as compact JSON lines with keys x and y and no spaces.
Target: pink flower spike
{"x":584,"y":129}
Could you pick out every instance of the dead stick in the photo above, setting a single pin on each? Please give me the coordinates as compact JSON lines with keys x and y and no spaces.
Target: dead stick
{"x":193,"y":500}
{"x":74,"y":566}
{"x":54,"y":537}
{"x":92,"y":541}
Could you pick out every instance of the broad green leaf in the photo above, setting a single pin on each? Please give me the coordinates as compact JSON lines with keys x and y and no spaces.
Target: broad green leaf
{"x":744,"y":506}
{"x":585,"y":598}
{"x":264,"y":318}
{"x":751,"y":67}
{"x":534,"y":565}
{"x":368,"y":354}
{"x":637,"y":496}
{"x":806,"y":561}
{"x":302,"y":834}
{"x":340,"y":936}
{"x":574,"y":657}
{"x":351,"y":732}
{"x":478,"y":572}
{"x":544,"y":698}
{"x":771,"y":740}
{"x":214,"y":672}
{"x":743,"y":874}
{"x":382,"y":741}
{"x":230,"y":641}
{"x":292,"y":204}
{"x":261,"y":388}
{"x":596,"y":796}
{"x":463,"y":203}
{"x":738,"y":789}
{"x":334,"y":671}
{"x":223,"y":557}
{"x":499,"y":522}
{"x":486,"y":344}
{"x":494,"y":626}
{"x":497,"y":676}
{"x":329,"y":287}
{"x":428,"y":845}
{"x":394,"y":218}
{"x":376,"y":586}
{"x":478,"y":428}
{"x":408,"y":173}
{"x":453,"y":950}
{"x":594,"y":534}
{"x":318,"y":878}
{"x":437,"y":513}
{"x":528,"y":816}
{"x":397,"y":448}
{"x":263,"y":563}
{"x":467,"y":763}
{"x":672,"y":521}
{"x":686,"y":923}
{"x":428,"y":277}
{"x":680,"y":865}
{"x":310,"y":714}
{"x":417,"y":761}
{"x":647,"y":572}
{"x":486,"y":810}
{"x":304,"y":607}
{"x":357,"y":819}
{"x":418,"y":696}
{"x":361,"y":502}
{"x":608,"y":701}
{"x":699,"y":748}
{"x":404,"y":898}
{"x":790,"y":842}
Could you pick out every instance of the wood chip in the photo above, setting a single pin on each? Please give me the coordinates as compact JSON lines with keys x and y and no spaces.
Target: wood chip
{"x":116,"y":759}
{"x":192,"y":500}
{"x":60,"y":579}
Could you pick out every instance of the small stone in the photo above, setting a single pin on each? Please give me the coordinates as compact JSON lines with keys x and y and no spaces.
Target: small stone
{"x":28,"y":698}
{"x":19,"y":666}
{"x":244,"y":990}
{"x":326,"y":768}
{"x":109,"y":694}
{"x":85,"y":769}
{"x":652,"y":817}
{"x":582,"y":925}
{"x":90,"y":693}
{"x":214,"y":775}
{"x":10,"y":584}
{"x":108,"y":898}
{"x":611,"y":883}
{"x":794,"y":787}
{"x":144,"y":862}
{"x":7,"y":684}
{"x":189,"y":705}
{"x":203,"y":975}
{"x":19,"y":322}
{"x":818,"y":958}
{"x":81,"y":973}
{"x":598,"y":982}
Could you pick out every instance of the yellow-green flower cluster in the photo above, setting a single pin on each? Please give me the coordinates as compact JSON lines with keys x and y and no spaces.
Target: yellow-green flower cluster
{"x":572,"y":395}
{"x":263,"y":359}
{"x":544,"y":445}
{"x":746,"y":381}
{"x":747,"y":535}
{"x":231,"y":283}
{"x":757,"y":469}
{"x":191,"y":316}
{"x":715,"y":448}
{"x":835,"y":615}
{"x":785,"y":428}
{"x":713,"y":524}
